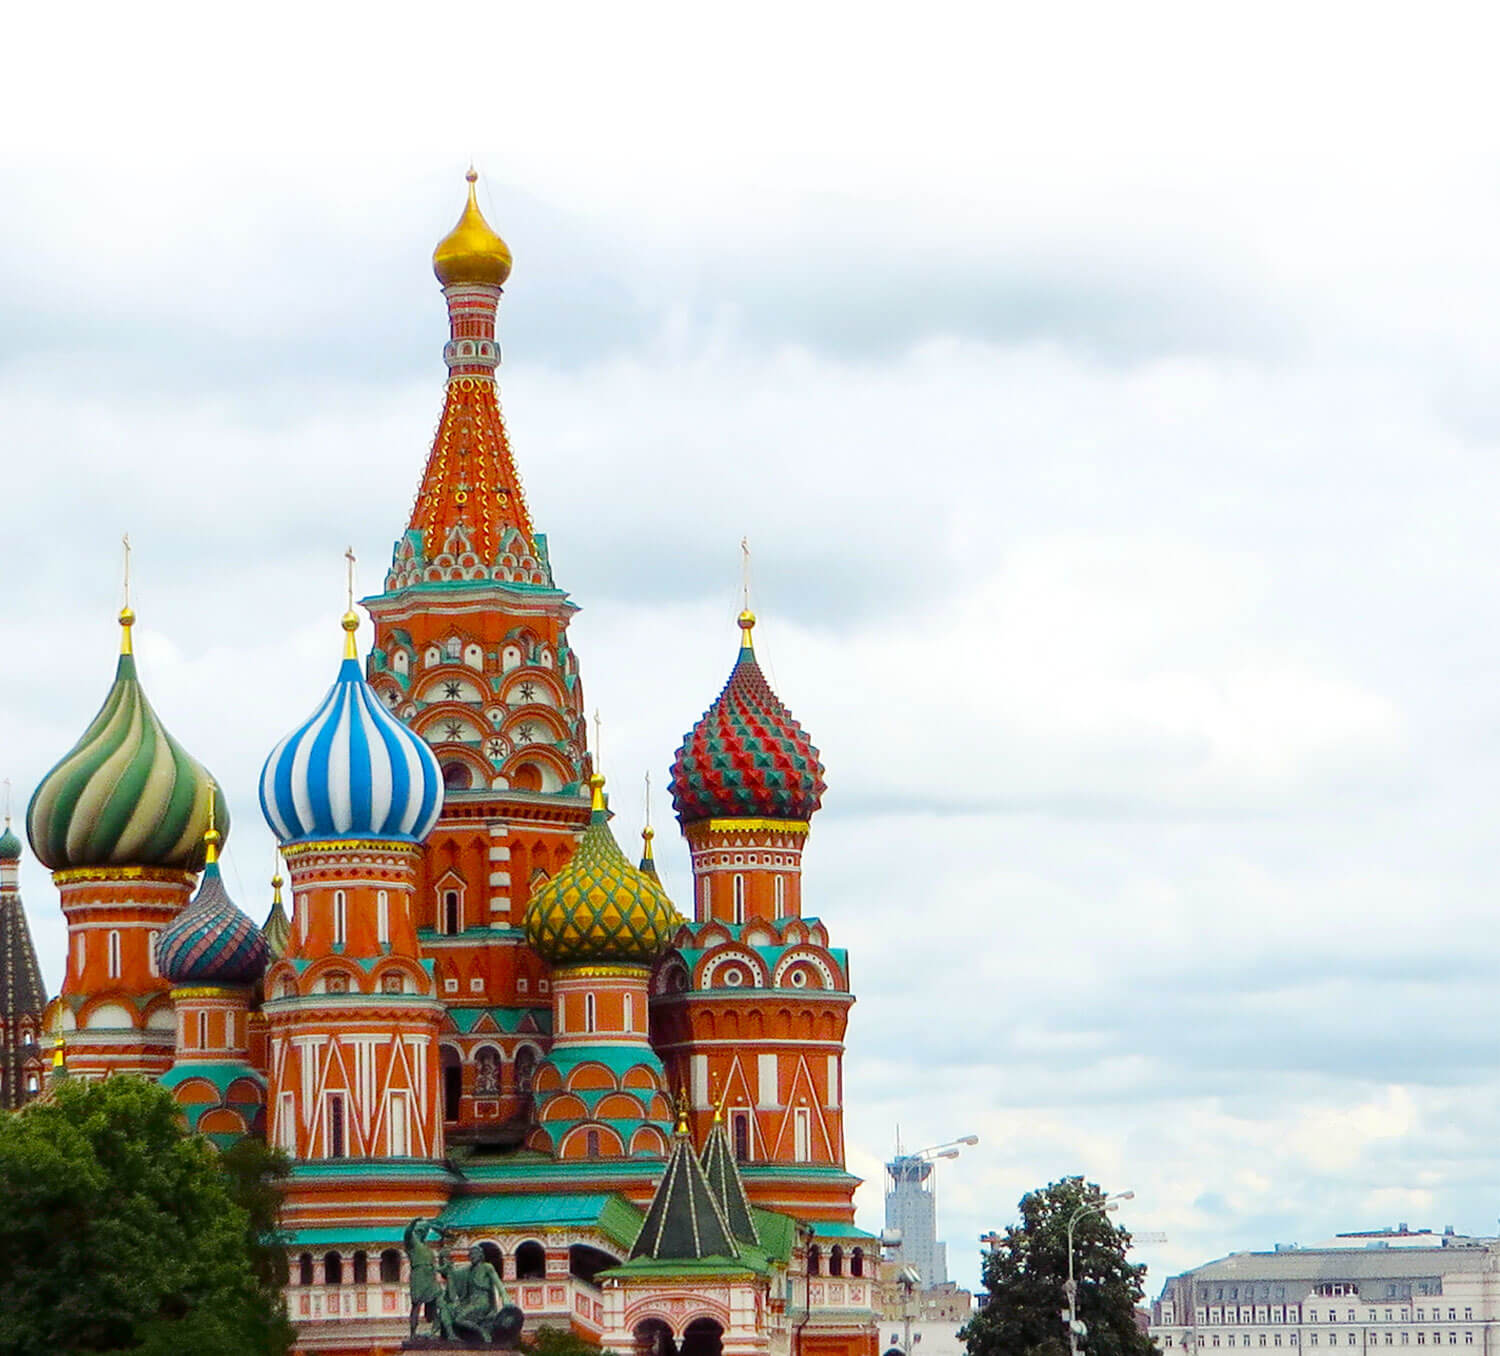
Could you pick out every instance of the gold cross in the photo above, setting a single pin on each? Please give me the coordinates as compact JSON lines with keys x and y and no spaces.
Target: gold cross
{"x":349,"y":556}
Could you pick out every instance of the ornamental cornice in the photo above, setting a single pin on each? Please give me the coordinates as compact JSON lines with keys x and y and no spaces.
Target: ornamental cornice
{"x":115,"y":874}
{"x":234,"y":991}
{"x":700,"y":828}
{"x":561,"y":973}
{"x":346,"y":848}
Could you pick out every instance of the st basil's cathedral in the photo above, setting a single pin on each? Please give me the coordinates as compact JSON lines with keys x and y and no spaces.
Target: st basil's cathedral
{"x":472,"y":1006}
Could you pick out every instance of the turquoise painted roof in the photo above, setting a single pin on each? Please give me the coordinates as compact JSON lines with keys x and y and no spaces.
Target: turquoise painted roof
{"x":612,"y":1215}
{"x":220,"y":1075}
{"x":618,"y":1059}
{"x":331,"y":1238}
{"x":823,"y":1228}
{"x":507,"y":1019}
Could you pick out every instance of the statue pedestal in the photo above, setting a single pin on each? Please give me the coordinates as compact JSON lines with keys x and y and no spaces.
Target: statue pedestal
{"x":507,"y":1334}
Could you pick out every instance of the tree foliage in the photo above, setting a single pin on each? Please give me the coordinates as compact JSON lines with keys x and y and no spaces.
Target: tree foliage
{"x":119,"y":1232}
{"x":547,"y":1341}
{"x":1026,"y":1272}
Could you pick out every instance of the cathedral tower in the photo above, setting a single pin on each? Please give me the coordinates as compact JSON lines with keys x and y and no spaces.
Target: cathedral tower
{"x":750,"y":1008}
{"x":351,"y":1010}
{"x":212,"y":955}
{"x":601,"y":922}
{"x":121,"y":823}
{"x":23,"y":1066}
{"x":471,"y":651}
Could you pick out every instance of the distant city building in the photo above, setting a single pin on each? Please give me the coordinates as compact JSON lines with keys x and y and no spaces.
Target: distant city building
{"x":911,"y":1207}
{"x":917,"y":1322}
{"x":1387,"y":1289}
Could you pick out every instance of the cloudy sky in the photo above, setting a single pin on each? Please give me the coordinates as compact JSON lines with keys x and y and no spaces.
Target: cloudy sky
{"x":1109,"y":398}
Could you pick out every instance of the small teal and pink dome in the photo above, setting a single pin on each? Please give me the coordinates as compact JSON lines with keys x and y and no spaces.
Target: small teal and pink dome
{"x":351,"y":770}
{"x":212,"y":941}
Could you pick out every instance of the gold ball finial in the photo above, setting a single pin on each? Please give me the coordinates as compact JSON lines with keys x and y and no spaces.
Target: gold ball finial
{"x":747,"y":629}
{"x":473,"y":175}
{"x":127,"y":620}
{"x":648,"y":833}
{"x":350,"y":621}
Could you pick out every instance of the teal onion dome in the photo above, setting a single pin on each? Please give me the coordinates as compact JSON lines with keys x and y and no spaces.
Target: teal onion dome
{"x":599,"y":907}
{"x":10,"y":845}
{"x":212,"y":941}
{"x":127,"y":794}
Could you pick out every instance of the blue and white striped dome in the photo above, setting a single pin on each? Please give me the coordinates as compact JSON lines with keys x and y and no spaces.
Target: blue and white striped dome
{"x":352,"y":771}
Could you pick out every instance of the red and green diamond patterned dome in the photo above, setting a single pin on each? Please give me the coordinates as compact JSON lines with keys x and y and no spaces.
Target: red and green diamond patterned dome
{"x":747,"y":758}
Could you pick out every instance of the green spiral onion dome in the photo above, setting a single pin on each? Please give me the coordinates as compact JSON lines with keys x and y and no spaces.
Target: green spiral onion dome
{"x":599,"y":907}
{"x":127,"y":794}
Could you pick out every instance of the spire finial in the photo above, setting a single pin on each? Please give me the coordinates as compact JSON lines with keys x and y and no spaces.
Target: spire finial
{"x":7,"y":802}
{"x":596,"y":785}
{"x":747,"y":617}
{"x":598,"y":741}
{"x":127,"y":616}
{"x":719,"y":1099}
{"x":682,"y":1111}
{"x":211,"y":835}
{"x":350,"y":621}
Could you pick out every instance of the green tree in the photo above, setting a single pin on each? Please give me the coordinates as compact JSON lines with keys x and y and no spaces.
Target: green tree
{"x":119,"y":1232}
{"x":559,"y":1342}
{"x":1025,"y":1276}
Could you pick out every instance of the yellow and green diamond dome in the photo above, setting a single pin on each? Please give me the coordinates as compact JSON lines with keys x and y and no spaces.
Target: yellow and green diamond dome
{"x":600,"y":907}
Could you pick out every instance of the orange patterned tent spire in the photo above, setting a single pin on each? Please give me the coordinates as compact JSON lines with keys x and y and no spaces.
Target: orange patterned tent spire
{"x":470,"y":482}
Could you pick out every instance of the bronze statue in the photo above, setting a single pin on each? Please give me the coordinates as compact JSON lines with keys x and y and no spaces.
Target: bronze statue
{"x":429,"y":1292}
{"x":480,"y":1303}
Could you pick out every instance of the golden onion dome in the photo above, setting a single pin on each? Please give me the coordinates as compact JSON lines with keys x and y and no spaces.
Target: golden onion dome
{"x":471,"y":252}
{"x":599,"y":907}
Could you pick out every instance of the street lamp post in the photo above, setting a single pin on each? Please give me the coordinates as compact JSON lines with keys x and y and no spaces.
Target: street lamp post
{"x":1106,"y":1206}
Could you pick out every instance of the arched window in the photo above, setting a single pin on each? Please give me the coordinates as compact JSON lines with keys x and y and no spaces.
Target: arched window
{"x":151,"y":940}
{"x":454,"y":648}
{"x":590,"y":1013}
{"x":336,"y":1125}
{"x":814,"y":1260}
{"x":361,"y":1267}
{"x":305,"y":1269}
{"x":453,"y":1082}
{"x":390,"y":1267}
{"x":114,"y":954}
{"x":452,"y":916}
{"x":333,"y":1269}
{"x":857,"y":1262}
{"x":525,"y":1068}
{"x":340,"y":917}
{"x":531,"y":1261}
{"x":203,"y":1031}
{"x":299,"y":903}
{"x":739,"y":898}
{"x":383,"y":918}
{"x":781,"y":896}
{"x":630,"y":1012}
{"x":836,"y":1260}
{"x":741,"y":1122}
{"x":80,"y":952}
{"x":591,"y":1143}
